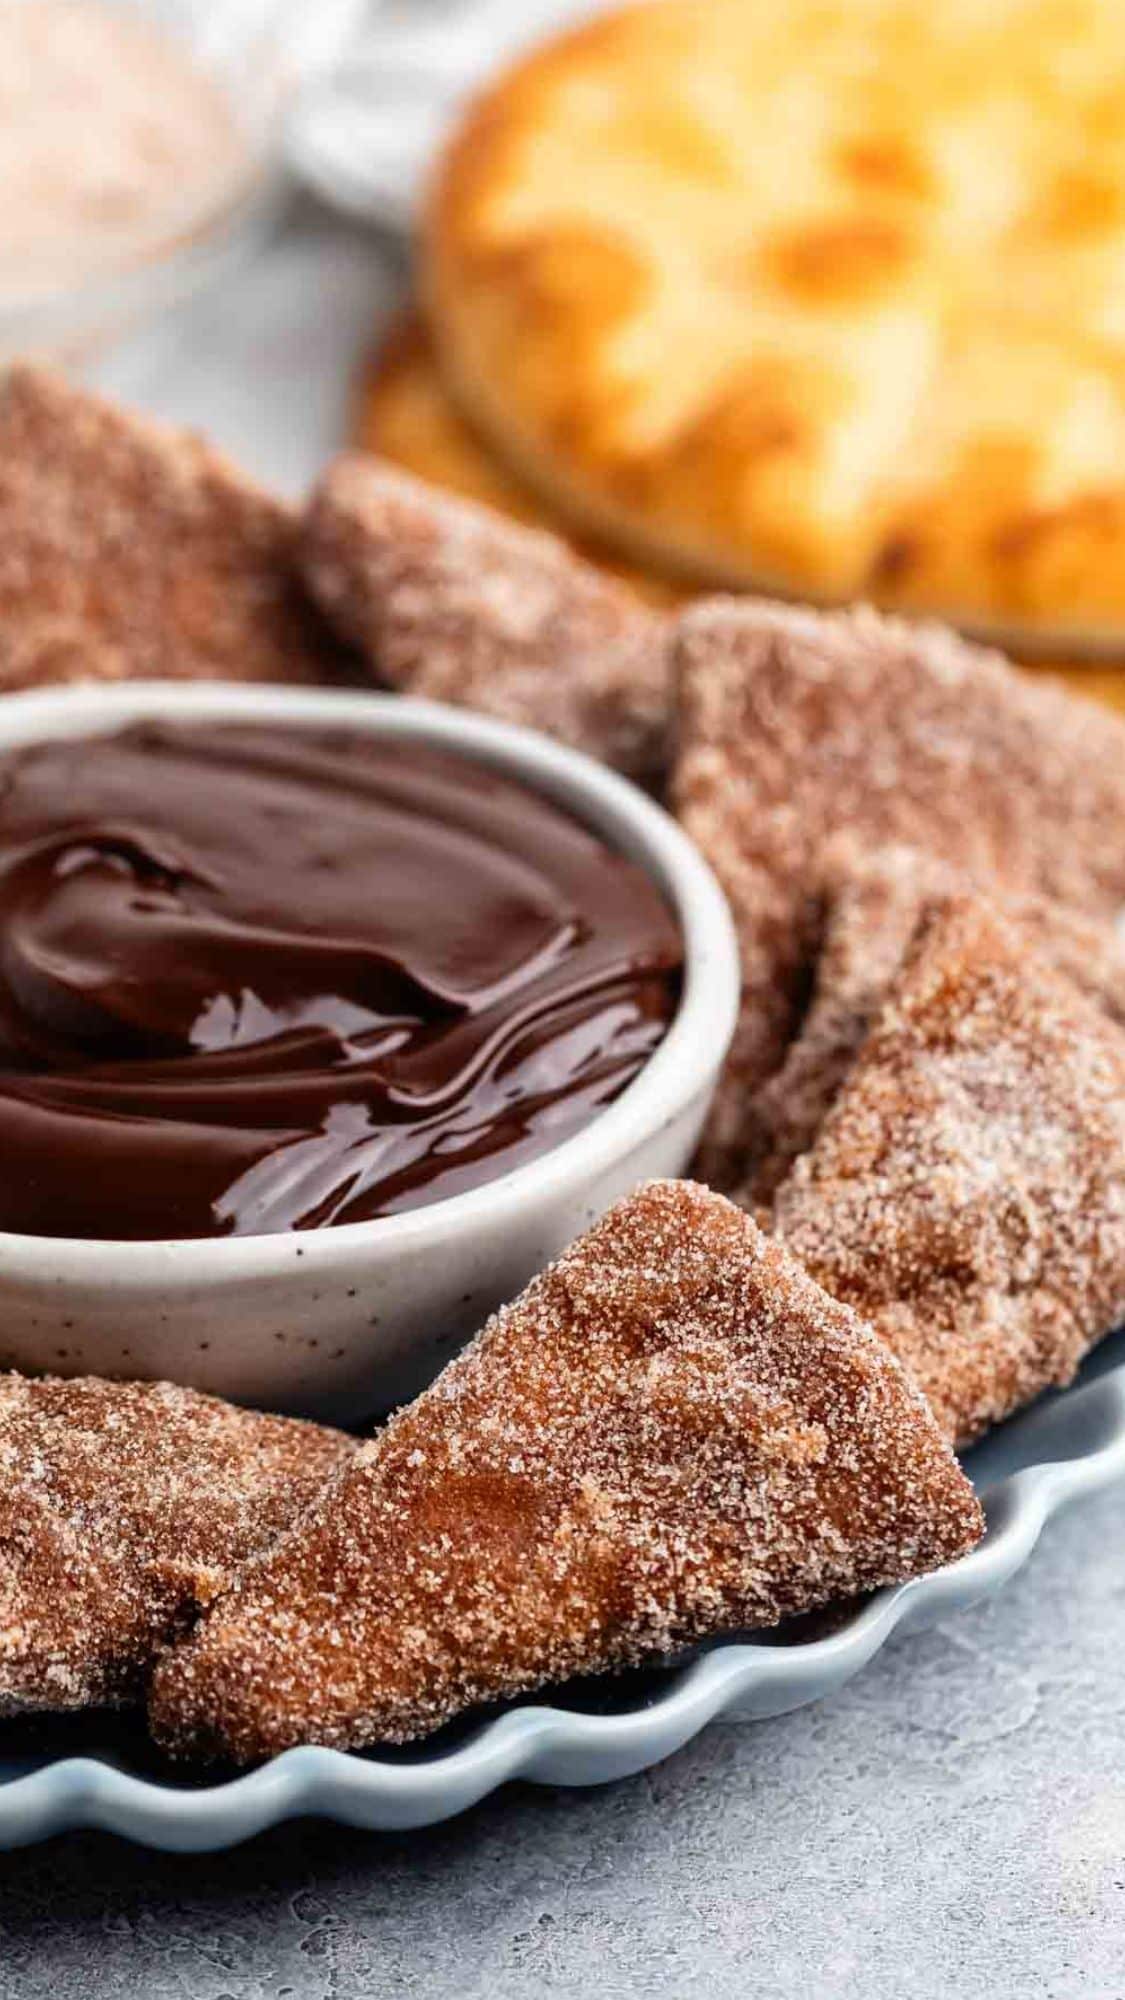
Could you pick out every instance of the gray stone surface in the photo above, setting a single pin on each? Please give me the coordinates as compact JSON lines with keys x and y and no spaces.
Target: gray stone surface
{"x":953,"y":1824}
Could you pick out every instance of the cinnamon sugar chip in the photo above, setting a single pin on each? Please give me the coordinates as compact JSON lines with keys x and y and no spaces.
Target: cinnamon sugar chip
{"x":447,"y":599}
{"x":966,"y":1192}
{"x":129,"y":550}
{"x":796,"y":726}
{"x":673,"y":1432}
{"x":873,"y":902}
{"x":124,"y":1508}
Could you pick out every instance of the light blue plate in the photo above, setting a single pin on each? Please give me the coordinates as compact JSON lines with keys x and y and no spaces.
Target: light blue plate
{"x":99,"y":1772}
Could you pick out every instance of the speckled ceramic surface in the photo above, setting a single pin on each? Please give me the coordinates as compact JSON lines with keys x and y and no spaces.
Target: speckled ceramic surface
{"x":99,"y":1773}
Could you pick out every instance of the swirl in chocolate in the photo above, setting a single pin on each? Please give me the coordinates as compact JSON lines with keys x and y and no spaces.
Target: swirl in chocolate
{"x":263,"y":978}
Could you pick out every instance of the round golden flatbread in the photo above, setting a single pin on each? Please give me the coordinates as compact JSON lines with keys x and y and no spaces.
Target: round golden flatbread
{"x":825,"y":298}
{"x":405,"y":414}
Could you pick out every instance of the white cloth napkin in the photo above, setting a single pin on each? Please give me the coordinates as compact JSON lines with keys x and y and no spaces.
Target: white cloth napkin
{"x":365,"y":135}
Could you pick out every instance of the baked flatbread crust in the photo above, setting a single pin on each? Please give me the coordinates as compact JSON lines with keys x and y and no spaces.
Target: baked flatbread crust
{"x":823,"y":299}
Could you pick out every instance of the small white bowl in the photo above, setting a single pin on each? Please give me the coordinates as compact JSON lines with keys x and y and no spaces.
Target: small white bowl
{"x":342,"y":1322}
{"x":261,"y":54}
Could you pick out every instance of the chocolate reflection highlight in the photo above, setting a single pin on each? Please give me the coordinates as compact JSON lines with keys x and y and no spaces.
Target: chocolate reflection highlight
{"x":258,"y":978}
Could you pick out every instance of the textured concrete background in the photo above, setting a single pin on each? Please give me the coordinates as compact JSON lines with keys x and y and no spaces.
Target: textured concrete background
{"x":953,"y":1824}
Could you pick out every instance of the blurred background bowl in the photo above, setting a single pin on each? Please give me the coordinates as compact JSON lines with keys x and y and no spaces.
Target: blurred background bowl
{"x":261,"y":54}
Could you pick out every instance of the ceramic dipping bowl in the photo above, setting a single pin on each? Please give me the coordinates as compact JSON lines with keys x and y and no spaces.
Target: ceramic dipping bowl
{"x":343,"y":1322}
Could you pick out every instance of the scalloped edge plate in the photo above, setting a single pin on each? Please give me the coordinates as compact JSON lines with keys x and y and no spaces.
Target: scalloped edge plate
{"x":1068,"y":1446}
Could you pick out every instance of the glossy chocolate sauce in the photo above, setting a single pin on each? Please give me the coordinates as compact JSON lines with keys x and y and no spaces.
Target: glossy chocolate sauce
{"x":259,"y":979}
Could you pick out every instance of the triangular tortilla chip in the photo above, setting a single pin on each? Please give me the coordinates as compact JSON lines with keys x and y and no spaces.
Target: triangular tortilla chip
{"x":128,"y":550}
{"x":124,"y":1508}
{"x":672,"y":1433}
{"x":447,"y":599}
{"x":966,"y":1192}
{"x":796,"y":726}
{"x":873,"y":902}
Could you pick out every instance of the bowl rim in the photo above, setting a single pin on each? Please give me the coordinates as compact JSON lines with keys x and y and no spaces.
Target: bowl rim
{"x":685,"y":1061}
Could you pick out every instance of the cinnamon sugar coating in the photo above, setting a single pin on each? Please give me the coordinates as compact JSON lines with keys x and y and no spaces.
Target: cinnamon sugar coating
{"x":124,"y":1508}
{"x":796,"y":726}
{"x":872,"y":905}
{"x":447,"y":599}
{"x":129,"y":550}
{"x":673,"y":1432}
{"x":966,"y":1192}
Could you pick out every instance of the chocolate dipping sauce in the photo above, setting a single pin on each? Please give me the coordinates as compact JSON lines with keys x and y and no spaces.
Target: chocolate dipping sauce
{"x":258,"y":978}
